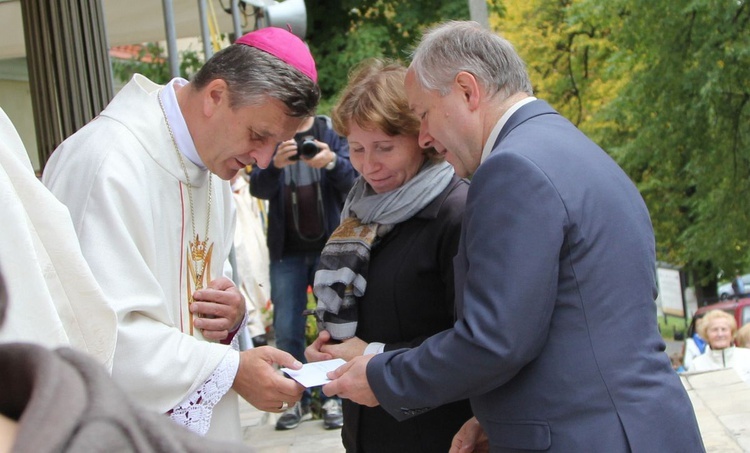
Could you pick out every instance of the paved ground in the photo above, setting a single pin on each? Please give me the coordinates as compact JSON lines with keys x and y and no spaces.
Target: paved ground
{"x":308,"y":437}
{"x":721,"y":401}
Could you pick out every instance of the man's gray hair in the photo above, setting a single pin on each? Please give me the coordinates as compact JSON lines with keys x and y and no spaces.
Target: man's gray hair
{"x":455,"y":46}
{"x":253,"y":76}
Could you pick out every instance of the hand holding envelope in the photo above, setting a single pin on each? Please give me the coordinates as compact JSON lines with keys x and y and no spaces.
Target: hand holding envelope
{"x":314,"y":374}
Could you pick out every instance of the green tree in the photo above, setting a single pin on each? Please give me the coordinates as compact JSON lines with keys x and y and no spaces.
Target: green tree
{"x":566,"y":52}
{"x":342,"y":33}
{"x":151,"y":61}
{"x":663,"y":87}
{"x":681,"y":127}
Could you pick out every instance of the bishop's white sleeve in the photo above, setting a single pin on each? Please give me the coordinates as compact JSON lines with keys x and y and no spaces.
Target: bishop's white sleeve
{"x":196,"y":410}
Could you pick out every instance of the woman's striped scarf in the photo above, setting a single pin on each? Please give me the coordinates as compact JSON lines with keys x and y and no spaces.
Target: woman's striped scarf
{"x":367,"y":216}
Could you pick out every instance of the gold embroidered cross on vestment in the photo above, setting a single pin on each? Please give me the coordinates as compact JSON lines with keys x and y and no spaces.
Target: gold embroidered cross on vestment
{"x":199,"y":252}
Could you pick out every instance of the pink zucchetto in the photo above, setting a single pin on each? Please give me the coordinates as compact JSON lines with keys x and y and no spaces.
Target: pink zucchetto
{"x":285,"y":46}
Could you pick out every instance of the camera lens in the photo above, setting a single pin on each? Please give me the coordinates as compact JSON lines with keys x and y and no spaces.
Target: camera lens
{"x":308,"y":148}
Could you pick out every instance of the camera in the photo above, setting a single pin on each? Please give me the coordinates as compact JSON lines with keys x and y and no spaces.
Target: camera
{"x":306,"y":148}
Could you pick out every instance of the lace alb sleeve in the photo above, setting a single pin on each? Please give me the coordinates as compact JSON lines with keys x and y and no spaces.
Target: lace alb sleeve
{"x":195,"y":411}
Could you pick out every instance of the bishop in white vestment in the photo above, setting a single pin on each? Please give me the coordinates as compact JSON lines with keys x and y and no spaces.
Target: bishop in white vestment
{"x":146,"y":185}
{"x":131,"y":209}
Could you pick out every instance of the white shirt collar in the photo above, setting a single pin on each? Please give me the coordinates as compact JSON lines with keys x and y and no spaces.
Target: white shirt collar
{"x":488,"y":145}
{"x":177,"y":122}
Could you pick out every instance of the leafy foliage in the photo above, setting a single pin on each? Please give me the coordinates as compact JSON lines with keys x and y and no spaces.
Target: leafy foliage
{"x":683,"y":128}
{"x":151,"y":61}
{"x":663,"y":87}
{"x":565,"y":51}
{"x":344,"y":32}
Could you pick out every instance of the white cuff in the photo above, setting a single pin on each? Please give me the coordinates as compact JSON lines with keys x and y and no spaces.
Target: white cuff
{"x":374,"y":348}
{"x":332,"y":164}
{"x":196,"y":410}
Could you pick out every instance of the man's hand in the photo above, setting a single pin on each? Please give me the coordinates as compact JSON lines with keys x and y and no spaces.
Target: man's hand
{"x":350,"y":381}
{"x":322,"y":158}
{"x":261,"y":384}
{"x":470,"y":438}
{"x":285,"y":152}
{"x":219,"y":309}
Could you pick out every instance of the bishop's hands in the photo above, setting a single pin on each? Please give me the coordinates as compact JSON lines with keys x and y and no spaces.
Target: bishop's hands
{"x":259,"y":382}
{"x":219,"y":309}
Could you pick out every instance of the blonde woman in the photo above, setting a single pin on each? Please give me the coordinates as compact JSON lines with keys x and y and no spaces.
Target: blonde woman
{"x":412,"y":202}
{"x":718,"y":328}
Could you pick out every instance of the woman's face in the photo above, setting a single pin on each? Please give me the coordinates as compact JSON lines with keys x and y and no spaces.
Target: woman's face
{"x":385,"y":162}
{"x":719,"y":333}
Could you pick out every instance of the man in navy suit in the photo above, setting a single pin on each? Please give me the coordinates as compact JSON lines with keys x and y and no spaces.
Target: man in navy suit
{"x":556,"y":340}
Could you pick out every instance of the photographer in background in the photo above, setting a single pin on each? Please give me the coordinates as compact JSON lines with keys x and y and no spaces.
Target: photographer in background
{"x":306,"y":184}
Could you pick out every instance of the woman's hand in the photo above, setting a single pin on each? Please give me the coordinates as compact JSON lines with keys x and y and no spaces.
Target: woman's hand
{"x":313,"y":353}
{"x":324,"y":349}
{"x":347,"y":349}
{"x":470,"y":438}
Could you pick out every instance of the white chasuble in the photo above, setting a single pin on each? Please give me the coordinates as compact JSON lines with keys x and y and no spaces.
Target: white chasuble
{"x":53,"y":299}
{"x":122,"y":180}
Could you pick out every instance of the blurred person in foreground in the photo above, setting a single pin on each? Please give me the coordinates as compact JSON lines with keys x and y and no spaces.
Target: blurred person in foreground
{"x":305,"y":185}
{"x":556,"y":260}
{"x":146,"y":185}
{"x":718,"y":328}
{"x":407,"y":204}
{"x":62,"y":399}
{"x":57,"y":301}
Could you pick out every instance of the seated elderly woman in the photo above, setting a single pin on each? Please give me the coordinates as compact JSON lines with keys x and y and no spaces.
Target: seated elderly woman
{"x":718,"y":328}
{"x":386,"y":274}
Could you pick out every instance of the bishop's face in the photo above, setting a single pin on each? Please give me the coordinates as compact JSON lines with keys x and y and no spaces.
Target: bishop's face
{"x":246,"y":135}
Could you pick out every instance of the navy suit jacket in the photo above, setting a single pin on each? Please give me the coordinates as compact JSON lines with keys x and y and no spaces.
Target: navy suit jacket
{"x":556,"y":342}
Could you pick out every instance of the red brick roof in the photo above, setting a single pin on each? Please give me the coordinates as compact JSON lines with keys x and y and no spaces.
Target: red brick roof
{"x":131,"y":52}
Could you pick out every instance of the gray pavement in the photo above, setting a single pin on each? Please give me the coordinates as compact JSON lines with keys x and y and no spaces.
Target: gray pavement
{"x":258,"y":430}
{"x":721,"y":401}
{"x":308,"y":437}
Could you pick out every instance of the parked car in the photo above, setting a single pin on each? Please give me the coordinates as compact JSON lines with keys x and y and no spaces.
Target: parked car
{"x":725,"y":290}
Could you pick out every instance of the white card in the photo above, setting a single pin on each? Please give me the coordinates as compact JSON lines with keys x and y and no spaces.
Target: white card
{"x":314,"y":373}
